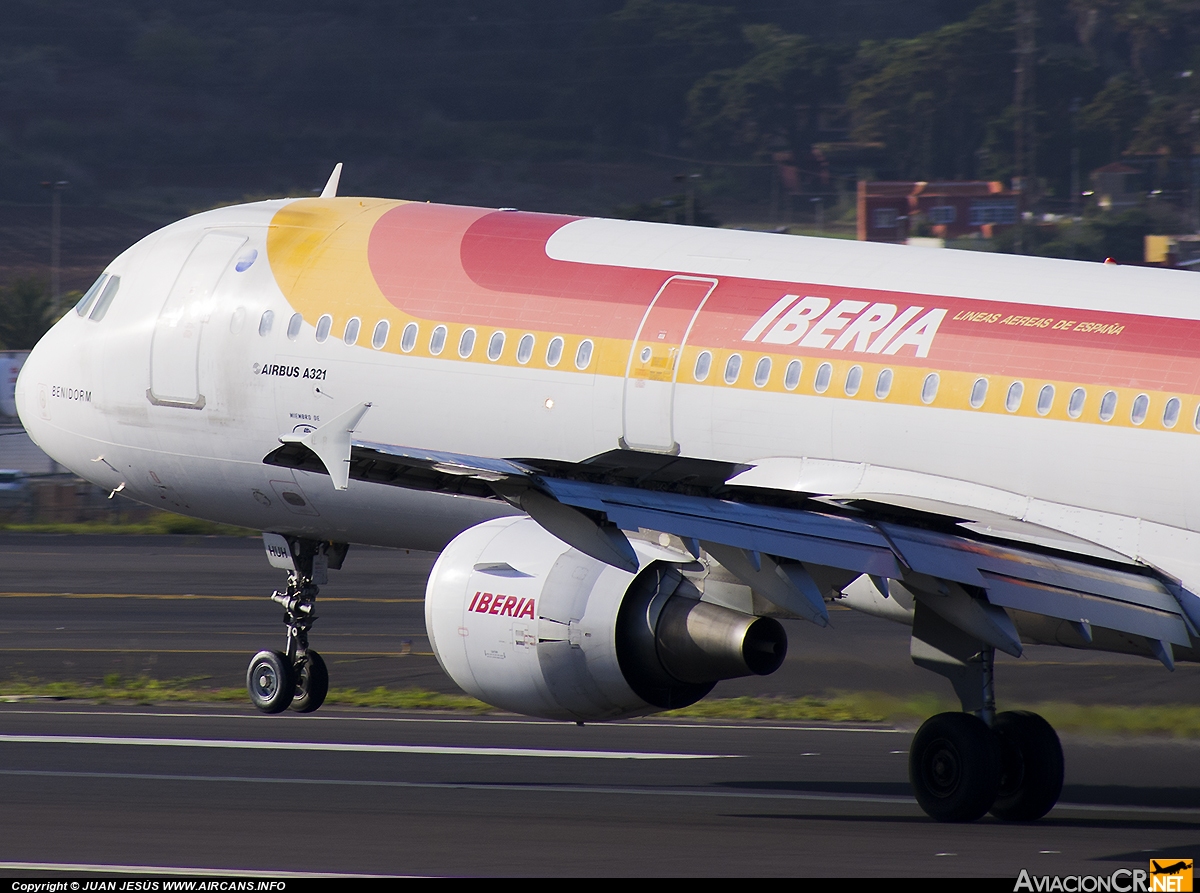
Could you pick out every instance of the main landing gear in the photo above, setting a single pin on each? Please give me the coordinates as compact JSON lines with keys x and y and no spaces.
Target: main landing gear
{"x":963,"y":765}
{"x":295,"y":677}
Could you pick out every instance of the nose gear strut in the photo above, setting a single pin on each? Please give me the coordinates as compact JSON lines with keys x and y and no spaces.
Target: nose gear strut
{"x":296,"y":677}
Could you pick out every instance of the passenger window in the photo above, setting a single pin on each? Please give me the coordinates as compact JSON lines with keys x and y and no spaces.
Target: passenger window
{"x":883,"y":384}
{"x":733,"y":368}
{"x":525,"y":349}
{"x":293,"y":331}
{"x":979,"y":392}
{"x":495,"y":346}
{"x":554,"y":352}
{"x":791,"y":375}
{"x":437,"y":340}
{"x":762,"y":372}
{"x":237,"y":320}
{"x":929,"y":388}
{"x":1141,"y":404}
{"x":350,"y":334}
{"x":1075,"y":404}
{"x":82,"y":307}
{"x":703,"y":364}
{"x":1045,"y":399}
{"x":408,"y":338}
{"x":583,"y":356}
{"x":466,"y":343}
{"x":1012,"y":401}
{"x":1171,"y":413}
{"x":1108,"y":406}
{"x":379,"y":336}
{"x":106,"y":298}
{"x":853,"y":380}
{"x":824,"y":374}
{"x":324,"y":324}
{"x":265,"y":322}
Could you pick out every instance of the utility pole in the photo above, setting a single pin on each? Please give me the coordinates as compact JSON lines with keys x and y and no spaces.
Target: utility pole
{"x":1024,"y":136}
{"x":1195,"y":172}
{"x":1076,"y":187}
{"x":689,"y":202}
{"x":56,"y":187}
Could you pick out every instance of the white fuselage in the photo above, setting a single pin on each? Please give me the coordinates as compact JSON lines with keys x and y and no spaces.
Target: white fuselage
{"x":87,"y":395}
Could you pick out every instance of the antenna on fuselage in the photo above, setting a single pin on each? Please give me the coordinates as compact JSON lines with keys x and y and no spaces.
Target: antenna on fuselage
{"x":330,"y":190}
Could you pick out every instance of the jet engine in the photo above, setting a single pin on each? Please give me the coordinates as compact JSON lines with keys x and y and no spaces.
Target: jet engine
{"x":523,"y":621}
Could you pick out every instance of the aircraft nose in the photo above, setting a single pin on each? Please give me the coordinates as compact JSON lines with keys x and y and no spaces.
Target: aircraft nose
{"x":32,"y":403}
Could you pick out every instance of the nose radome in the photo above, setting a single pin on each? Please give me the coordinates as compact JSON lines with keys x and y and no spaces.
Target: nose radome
{"x":33,"y":392}
{"x":32,"y":407}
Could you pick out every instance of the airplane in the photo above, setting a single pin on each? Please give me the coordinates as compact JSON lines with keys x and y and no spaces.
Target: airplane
{"x":1173,"y":868}
{"x":638,"y":445}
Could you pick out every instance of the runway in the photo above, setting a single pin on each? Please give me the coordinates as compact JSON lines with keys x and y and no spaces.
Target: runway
{"x":375,"y":793}
{"x":379,"y":792}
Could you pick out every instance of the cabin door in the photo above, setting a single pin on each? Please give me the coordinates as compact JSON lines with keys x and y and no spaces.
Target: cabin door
{"x":175,"y":348}
{"x":654,"y":361}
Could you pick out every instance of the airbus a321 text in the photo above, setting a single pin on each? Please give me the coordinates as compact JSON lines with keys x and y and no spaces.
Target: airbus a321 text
{"x":637,"y":445}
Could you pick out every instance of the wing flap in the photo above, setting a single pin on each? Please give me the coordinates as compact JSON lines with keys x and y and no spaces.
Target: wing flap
{"x":1066,"y":604}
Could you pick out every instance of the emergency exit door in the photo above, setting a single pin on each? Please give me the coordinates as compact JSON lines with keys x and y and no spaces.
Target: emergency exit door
{"x":653,"y":366}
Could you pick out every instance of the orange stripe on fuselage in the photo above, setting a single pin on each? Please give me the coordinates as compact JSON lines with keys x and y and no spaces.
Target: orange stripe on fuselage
{"x":468,"y":266}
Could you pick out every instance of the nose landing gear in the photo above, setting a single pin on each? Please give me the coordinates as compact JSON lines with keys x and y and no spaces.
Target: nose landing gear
{"x":296,"y":677}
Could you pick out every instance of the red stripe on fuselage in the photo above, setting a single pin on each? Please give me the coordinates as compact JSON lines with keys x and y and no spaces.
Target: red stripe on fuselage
{"x":466,"y":265}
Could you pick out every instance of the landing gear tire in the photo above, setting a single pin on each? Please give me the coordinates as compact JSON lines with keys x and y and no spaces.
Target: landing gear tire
{"x":270,"y":681}
{"x":312,"y":683}
{"x":954,"y":767}
{"x":1031,"y":760}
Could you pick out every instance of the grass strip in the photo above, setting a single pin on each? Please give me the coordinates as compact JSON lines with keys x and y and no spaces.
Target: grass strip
{"x":1175,"y":720}
{"x":162,"y":523}
{"x":146,"y":691}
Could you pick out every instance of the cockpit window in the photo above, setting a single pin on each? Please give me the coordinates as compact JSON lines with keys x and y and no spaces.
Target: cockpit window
{"x":90,"y":295}
{"x":106,"y":298}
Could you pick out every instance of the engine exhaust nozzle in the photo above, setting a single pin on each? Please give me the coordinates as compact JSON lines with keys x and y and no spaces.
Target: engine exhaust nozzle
{"x":702,"y":642}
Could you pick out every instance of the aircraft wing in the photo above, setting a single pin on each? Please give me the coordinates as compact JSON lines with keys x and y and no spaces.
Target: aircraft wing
{"x":795,"y":547}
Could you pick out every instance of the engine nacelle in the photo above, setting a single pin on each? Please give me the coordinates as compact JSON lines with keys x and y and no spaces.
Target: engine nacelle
{"x":521,"y":620}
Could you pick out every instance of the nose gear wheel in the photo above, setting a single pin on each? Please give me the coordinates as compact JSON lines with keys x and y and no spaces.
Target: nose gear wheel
{"x":312,"y":683}
{"x":271,"y":681}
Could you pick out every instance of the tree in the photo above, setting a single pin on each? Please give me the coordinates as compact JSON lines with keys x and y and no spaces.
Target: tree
{"x":647,"y":56}
{"x":930,"y":99}
{"x":772,"y":101}
{"x":26,"y":314}
{"x":1113,"y":113}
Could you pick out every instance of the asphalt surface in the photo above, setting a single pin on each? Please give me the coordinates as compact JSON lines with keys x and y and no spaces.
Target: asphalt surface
{"x":379,"y":793}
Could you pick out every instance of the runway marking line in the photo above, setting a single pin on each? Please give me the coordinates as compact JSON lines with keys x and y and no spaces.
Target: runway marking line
{"x":506,"y":787}
{"x":335,"y":747}
{"x":324,"y":653}
{"x":172,"y":870}
{"x":329,"y":716}
{"x":193,"y":597}
{"x":895,"y":799}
